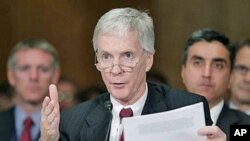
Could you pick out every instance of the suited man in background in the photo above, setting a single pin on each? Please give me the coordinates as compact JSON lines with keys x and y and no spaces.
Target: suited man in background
{"x":207,"y":64}
{"x":32,"y":65}
{"x":124,"y":45}
{"x":240,"y":78}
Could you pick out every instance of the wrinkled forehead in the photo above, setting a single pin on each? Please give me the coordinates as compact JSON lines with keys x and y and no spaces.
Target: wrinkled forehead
{"x":117,"y":42}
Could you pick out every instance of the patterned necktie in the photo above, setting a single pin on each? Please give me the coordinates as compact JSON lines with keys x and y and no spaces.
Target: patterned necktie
{"x":26,"y":132}
{"x":123,"y":114}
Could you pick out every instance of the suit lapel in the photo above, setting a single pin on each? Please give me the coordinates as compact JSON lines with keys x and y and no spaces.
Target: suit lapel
{"x":7,"y":127}
{"x":155,"y":102}
{"x":98,"y":119}
{"x":97,"y":122}
{"x":229,"y":118}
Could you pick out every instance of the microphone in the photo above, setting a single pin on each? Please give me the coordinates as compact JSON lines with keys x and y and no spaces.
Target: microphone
{"x":109,"y":106}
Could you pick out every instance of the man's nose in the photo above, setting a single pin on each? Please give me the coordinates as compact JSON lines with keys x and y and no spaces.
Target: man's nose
{"x":34,"y":74}
{"x":207,"y":71}
{"x":116,"y":67}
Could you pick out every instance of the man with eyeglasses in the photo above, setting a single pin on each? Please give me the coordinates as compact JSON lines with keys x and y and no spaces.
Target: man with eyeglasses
{"x":240,"y":78}
{"x":124,"y":44}
{"x":207,"y":62}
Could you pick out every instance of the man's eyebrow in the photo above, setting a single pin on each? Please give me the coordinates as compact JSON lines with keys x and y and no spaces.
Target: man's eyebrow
{"x":240,"y":65}
{"x":220,"y":60}
{"x":197,"y":57}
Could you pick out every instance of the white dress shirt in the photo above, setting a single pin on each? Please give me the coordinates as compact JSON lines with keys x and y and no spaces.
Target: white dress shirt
{"x":116,"y":127}
{"x":216,"y":110}
{"x":233,"y":106}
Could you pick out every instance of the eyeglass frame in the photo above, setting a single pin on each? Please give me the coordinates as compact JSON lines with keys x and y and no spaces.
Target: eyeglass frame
{"x":241,"y":69}
{"x":119,"y":65}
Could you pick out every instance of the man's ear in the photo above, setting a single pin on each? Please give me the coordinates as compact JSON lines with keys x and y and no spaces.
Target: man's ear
{"x":149,"y":61}
{"x":11,"y":77}
{"x":183,"y":72}
{"x":231,"y":80}
{"x":56,"y":76}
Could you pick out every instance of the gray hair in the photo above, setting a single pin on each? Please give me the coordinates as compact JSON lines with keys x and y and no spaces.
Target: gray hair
{"x":120,"y":21}
{"x":32,"y":43}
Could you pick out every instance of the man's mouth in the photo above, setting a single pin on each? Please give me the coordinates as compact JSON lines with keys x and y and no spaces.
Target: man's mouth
{"x":246,"y":88}
{"x":118,"y":84}
{"x":206,"y":85}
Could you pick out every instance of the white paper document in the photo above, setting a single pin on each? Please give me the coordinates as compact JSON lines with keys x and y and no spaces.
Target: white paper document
{"x":176,"y":125}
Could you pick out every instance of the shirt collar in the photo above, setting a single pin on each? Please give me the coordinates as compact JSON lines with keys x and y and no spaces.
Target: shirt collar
{"x":216,"y":110}
{"x":233,"y":106}
{"x":137,"y":107}
{"x":19,"y":120}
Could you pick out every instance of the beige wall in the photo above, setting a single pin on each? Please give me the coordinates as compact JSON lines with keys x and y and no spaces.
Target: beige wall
{"x":69,"y":24}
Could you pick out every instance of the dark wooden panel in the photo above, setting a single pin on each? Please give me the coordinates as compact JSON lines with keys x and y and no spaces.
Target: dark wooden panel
{"x":69,"y":25}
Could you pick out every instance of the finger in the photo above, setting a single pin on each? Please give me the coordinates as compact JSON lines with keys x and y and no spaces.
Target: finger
{"x":50,"y":107}
{"x":207,"y":130}
{"x":45,"y":103}
{"x":53,"y":92}
{"x":55,"y":113}
{"x":55,"y":123}
{"x":212,"y":132}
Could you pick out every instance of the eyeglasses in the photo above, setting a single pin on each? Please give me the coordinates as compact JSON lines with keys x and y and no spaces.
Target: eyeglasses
{"x":127,"y":61}
{"x":240,"y":69}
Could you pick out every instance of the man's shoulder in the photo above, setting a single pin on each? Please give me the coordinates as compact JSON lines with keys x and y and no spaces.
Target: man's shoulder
{"x":173,"y":96}
{"x":171,"y":92}
{"x":7,"y":114}
{"x":242,"y":118}
{"x":6,"y":123}
{"x":83,"y":109}
{"x":82,"y":115}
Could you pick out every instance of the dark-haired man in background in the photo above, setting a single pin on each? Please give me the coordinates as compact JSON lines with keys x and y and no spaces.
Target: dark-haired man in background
{"x":240,"y":78}
{"x":207,"y":65}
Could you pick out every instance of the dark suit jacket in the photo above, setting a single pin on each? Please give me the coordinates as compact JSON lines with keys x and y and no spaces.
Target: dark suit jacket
{"x":89,"y":120}
{"x":7,"y":124}
{"x":229,"y":117}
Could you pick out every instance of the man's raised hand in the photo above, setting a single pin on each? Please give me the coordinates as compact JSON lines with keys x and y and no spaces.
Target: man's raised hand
{"x":50,"y":116}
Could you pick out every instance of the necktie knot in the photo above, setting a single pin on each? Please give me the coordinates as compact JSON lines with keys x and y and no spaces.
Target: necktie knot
{"x":26,"y":132}
{"x":126,"y":112}
{"x":28,"y":122}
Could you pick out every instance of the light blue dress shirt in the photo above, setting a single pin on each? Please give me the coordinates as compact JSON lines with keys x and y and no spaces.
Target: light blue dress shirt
{"x":20,"y":117}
